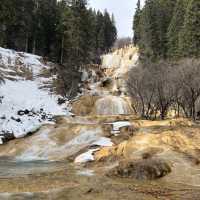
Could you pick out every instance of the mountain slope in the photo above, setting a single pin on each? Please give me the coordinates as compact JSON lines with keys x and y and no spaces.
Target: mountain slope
{"x":26,"y":93}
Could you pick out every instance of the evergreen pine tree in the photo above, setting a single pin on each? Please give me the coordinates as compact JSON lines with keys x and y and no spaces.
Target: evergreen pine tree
{"x":175,"y":28}
{"x":149,"y":42}
{"x":189,"y":41}
{"x":136,"y":24}
{"x":100,"y":33}
{"x":113,"y":31}
{"x":154,"y":21}
{"x":7,"y":19}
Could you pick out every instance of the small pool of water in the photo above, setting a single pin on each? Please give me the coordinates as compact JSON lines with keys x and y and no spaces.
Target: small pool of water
{"x":14,"y":168}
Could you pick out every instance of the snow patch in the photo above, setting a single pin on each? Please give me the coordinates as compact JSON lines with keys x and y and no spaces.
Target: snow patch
{"x":120,"y":124}
{"x":23,"y":80}
{"x":25,"y":95}
{"x":104,"y":142}
{"x":86,"y":157}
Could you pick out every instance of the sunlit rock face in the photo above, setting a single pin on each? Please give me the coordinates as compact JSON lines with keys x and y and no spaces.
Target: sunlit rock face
{"x":112,"y":105}
{"x":120,"y":61}
{"x":117,"y":64}
{"x":176,"y":143}
{"x":104,"y":87}
{"x":84,"y":105}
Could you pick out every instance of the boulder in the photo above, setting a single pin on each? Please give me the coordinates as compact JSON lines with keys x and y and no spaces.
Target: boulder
{"x":149,"y":169}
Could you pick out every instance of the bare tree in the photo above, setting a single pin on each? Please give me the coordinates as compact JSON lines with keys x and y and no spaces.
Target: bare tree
{"x":157,"y":86}
{"x":189,"y":77}
{"x":153,"y":88}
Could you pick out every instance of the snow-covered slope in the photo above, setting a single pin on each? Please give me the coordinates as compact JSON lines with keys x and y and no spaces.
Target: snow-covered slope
{"x":26,"y":97}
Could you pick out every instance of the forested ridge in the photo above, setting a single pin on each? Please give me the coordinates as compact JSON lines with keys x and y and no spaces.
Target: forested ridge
{"x":65,"y":31}
{"x":167,"y":29}
{"x":167,"y":33}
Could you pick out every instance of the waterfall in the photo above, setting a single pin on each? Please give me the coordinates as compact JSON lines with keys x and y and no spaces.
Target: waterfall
{"x":112,"y":105}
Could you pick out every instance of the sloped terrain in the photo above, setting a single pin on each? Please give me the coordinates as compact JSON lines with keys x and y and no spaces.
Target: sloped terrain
{"x":101,"y":151}
{"x":27,"y":98}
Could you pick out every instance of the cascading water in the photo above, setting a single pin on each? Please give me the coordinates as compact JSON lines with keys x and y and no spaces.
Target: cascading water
{"x":112,"y":105}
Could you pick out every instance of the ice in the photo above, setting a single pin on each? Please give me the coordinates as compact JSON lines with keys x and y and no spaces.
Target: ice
{"x":120,"y":124}
{"x":103,"y":141}
{"x":117,"y":125}
{"x":86,"y":157}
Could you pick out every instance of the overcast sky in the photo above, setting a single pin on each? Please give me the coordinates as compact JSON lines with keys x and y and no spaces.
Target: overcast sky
{"x":123,"y":11}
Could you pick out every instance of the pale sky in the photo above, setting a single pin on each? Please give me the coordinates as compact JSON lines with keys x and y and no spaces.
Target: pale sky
{"x":123,"y":11}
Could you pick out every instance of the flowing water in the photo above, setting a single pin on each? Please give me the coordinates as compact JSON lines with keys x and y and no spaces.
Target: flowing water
{"x":11,"y":168}
{"x":112,"y":105}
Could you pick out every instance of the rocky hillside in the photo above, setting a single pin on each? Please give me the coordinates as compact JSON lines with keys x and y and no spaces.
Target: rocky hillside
{"x":104,"y":87}
{"x":27,"y":99}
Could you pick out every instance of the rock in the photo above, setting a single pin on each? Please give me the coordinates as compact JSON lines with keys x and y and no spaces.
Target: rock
{"x":61,"y":101}
{"x":43,"y":116}
{"x":20,"y":112}
{"x":26,"y":112}
{"x":107,"y":129}
{"x":1,"y":99}
{"x":149,"y":169}
{"x":6,"y":136}
{"x":84,"y":105}
{"x":127,"y":130}
{"x":106,"y":82}
{"x":104,"y":154}
{"x":3,"y":117}
{"x":16,"y":119}
{"x":181,"y":122}
{"x":23,"y":112}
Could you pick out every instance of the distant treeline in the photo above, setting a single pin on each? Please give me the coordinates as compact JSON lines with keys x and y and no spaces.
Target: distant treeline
{"x":65,"y":31}
{"x":167,"y":29}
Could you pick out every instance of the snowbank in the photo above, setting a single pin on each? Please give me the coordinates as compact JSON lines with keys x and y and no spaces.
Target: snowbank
{"x":24,"y":106}
{"x":11,"y":58}
{"x":25,"y":95}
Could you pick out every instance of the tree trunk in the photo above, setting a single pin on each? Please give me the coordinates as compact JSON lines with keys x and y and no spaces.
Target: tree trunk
{"x":62,"y":50}
{"x":34,"y":46}
{"x":193,"y":111}
{"x":26,"y":48}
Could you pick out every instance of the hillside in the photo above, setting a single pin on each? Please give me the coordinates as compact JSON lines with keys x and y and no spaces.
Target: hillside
{"x":27,"y":97}
{"x":102,"y":147}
